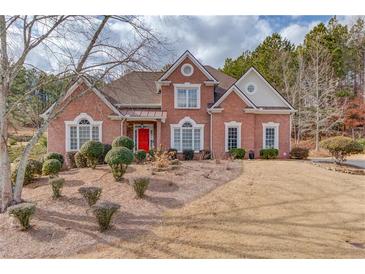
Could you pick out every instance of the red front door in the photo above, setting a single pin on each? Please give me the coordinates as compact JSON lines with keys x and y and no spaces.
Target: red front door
{"x":144,"y":139}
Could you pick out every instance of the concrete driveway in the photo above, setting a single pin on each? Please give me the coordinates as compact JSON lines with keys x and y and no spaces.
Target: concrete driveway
{"x":360,"y":163}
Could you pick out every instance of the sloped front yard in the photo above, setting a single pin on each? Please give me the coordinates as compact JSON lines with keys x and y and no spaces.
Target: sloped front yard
{"x":275,"y":209}
{"x":65,"y":227}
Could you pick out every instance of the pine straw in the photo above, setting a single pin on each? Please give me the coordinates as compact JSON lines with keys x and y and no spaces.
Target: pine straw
{"x":65,"y":227}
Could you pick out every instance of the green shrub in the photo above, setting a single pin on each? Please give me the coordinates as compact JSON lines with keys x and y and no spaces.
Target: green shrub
{"x":101,"y":159}
{"x":36,"y":166}
{"x":299,"y":153}
{"x":361,"y":141}
{"x":54,"y":155}
{"x":51,"y":167}
{"x":43,"y":141}
{"x":205,"y":154}
{"x":80,"y":160}
{"x":56,"y":185}
{"x":11,"y":141}
{"x":269,"y":153}
{"x":23,"y":212}
{"x":237,"y":153}
{"x":172,"y":153}
{"x":140,"y":186}
{"x":123,"y":141}
{"x":103,"y":213}
{"x":151,"y":152}
{"x":118,"y":158}
{"x":91,"y":194}
{"x":341,"y":146}
{"x":140,"y":156}
{"x":188,"y":154}
{"x":92,"y":150}
{"x":70,"y":156}
{"x":28,"y":175}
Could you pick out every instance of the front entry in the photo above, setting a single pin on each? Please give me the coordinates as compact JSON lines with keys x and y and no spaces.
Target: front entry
{"x":144,"y":139}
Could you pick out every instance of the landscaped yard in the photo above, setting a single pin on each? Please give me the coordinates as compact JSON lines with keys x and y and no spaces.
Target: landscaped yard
{"x":275,"y":209}
{"x":64,"y":227}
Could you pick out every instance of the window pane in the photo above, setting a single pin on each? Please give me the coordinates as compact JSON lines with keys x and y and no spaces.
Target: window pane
{"x":177,"y":139}
{"x":232,"y":137}
{"x":196,"y":139}
{"x":84,"y":134}
{"x":95,"y":133}
{"x":192,"y":98}
{"x":187,"y":138}
{"x":181,"y":98}
{"x":73,"y":137}
{"x":270,"y":137}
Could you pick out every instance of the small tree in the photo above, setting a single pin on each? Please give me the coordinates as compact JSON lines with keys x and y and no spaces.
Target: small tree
{"x":118,"y":158}
{"x":92,"y":151}
{"x":340,"y":147}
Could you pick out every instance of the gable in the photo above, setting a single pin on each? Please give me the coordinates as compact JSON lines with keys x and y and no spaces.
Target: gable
{"x":197,"y":77}
{"x":177,"y":65}
{"x":264,"y":95}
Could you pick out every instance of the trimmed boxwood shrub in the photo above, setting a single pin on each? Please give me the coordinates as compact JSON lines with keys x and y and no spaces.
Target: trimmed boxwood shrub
{"x":103,"y":213}
{"x":118,"y":158}
{"x":269,"y":153}
{"x":70,"y":156}
{"x":237,"y":153}
{"x":23,"y":212}
{"x":101,"y":159}
{"x":56,"y":185}
{"x":92,"y":150}
{"x":91,"y":194}
{"x":123,"y":141}
{"x":51,"y":167}
{"x":140,"y":156}
{"x":140,"y":186}
{"x":188,"y":154}
{"x":299,"y":153}
{"x":341,"y":146}
{"x":54,"y":155}
{"x":80,"y":160}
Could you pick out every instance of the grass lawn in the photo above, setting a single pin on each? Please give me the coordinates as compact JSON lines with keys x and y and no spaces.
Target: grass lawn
{"x":275,"y":209}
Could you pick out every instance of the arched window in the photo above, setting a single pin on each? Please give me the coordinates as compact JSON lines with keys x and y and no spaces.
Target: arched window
{"x":81,"y":130}
{"x":187,"y":135}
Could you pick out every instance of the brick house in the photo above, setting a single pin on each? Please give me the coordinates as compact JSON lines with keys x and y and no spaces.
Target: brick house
{"x":189,"y":106}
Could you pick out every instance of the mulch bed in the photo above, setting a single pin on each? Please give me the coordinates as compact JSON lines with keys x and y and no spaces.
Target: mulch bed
{"x":65,"y":226}
{"x":344,"y":168}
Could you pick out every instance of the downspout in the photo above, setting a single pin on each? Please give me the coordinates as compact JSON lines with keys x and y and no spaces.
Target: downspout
{"x":211,"y":134}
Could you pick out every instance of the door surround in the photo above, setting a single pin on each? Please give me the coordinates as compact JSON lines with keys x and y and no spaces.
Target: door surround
{"x":135,"y":135}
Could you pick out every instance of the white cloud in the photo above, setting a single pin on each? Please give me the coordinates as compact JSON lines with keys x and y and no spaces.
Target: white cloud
{"x":296,"y":33}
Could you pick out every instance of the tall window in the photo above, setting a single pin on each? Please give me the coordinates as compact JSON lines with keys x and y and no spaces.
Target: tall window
{"x":81,"y":131}
{"x":187,"y":96}
{"x":271,"y":135}
{"x":188,"y":135}
{"x":232,"y":135}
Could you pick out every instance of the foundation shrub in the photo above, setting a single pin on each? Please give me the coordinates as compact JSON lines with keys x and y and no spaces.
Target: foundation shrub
{"x":269,"y":153}
{"x":299,"y":153}
{"x":237,"y":153}
{"x":188,"y":154}
{"x":54,"y":155}
{"x":92,"y":150}
{"x":140,"y":156}
{"x":123,"y":141}
{"x":51,"y":167}
{"x":80,"y":160}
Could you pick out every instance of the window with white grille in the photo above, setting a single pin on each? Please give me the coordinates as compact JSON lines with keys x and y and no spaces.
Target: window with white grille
{"x":187,"y":136}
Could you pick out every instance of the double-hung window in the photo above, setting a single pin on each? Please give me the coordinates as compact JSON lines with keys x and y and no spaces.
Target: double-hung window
{"x":187,"y":96}
{"x":80,"y":131}
{"x":271,"y":135}
{"x":187,"y":136}
{"x":232,"y":135}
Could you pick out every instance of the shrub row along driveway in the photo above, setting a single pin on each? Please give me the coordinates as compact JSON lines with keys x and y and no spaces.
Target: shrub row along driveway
{"x":275,"y":209}
{"x":64,"y":227}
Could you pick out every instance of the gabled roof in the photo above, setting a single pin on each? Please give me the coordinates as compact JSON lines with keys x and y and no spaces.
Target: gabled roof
{"x":187,"y":54}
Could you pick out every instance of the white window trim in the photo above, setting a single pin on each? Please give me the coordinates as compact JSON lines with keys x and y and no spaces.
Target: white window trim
{"x":184,"y":66}
{"x":75,"y":123}
{"x":232,"y":124}
{"x":186,"y":86}
{"x":251,"y":84}
{"x":179,"y":125}
{"x":270,"y":125}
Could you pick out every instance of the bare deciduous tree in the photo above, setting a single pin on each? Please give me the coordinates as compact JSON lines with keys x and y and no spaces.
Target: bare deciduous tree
{"x":82,"y":46}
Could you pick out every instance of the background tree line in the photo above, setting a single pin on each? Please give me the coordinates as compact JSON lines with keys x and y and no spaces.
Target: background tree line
{"x":323,"y":78}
